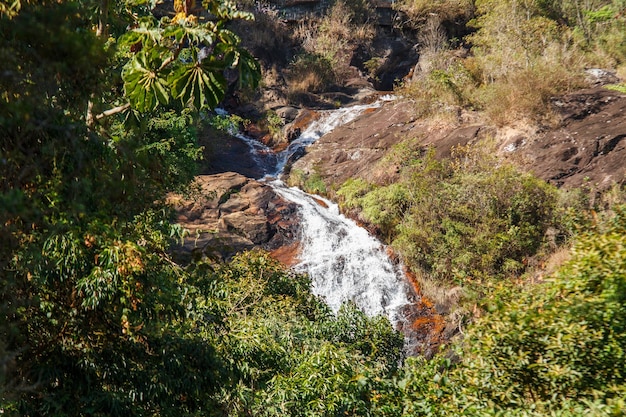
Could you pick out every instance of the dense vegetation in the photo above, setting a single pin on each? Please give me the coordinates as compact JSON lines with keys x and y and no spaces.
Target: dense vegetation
{"x":99,"y":109}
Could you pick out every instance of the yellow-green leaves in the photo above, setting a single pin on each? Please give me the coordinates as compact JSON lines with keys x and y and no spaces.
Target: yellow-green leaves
{"x":10,"y":8}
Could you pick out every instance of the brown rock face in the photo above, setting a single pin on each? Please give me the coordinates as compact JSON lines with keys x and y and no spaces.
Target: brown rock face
{"x":588,"y":148}
{"x":228,"y":213}
{"x":354,"y":150}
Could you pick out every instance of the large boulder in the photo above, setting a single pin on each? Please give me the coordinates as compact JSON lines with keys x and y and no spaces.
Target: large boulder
{"x":228,"y":213}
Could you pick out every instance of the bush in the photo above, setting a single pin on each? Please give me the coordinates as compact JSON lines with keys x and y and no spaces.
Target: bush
{"x":465,"y":219}
{"x":565,"y":339}
{"x":309,"y":73}
{"x":419,"y":11}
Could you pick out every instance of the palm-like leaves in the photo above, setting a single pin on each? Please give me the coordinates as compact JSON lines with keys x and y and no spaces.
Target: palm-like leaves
{"x":158,"y":75}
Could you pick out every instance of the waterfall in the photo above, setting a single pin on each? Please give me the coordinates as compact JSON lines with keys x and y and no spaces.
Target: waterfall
{"x":329,"y":120}
{"x":343,"y":261}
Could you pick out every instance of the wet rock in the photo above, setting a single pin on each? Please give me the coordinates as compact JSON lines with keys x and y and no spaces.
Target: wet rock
{"x":287,"y":113}
{"x":304,"y":118}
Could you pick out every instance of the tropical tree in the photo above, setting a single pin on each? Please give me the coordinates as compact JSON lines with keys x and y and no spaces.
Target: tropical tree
{"x":97,"y":124}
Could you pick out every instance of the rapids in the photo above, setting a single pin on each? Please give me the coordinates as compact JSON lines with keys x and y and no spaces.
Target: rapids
{"x":344,"y":262}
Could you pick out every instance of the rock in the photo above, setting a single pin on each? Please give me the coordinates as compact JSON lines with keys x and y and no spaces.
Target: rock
{"x":354,"y":150}
{"x":587,"y":148}
{"x":304,"y":118}
{"x":599,"y":77}
{"x":230,"y":213}
{"x":253,"y":227}
{"x":287,"y":113}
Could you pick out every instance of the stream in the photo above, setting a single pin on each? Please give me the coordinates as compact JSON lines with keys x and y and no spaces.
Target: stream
{"x":343,"y":261}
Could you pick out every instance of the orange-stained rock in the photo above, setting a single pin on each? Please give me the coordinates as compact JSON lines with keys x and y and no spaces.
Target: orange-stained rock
{"x":288,"y":254}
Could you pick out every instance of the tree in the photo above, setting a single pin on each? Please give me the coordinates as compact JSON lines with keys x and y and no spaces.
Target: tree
{"x":92,"y":306}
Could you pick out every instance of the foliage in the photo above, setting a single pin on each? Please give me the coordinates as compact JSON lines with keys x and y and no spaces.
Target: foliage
{"x":96,"y":319}
{"x":519,"y":54}
{"x":564,"y":340}
{"x":311,"y":182}
{"x":328,"y":47}
{"x":617,"y":87}
{"x":286,"y":352}
{"x":230,"y":123}
{"x":446,"y":86}
{"x":419,"y":11}
{"x":182,"y":59}
{"x":92,"y":305}
{"x":466,"y":219}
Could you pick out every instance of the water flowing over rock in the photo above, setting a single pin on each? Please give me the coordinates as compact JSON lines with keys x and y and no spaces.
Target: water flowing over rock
{"x":344,"y":262}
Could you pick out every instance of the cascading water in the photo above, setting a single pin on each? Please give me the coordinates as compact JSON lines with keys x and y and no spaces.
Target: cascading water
{"x":344,"y":262}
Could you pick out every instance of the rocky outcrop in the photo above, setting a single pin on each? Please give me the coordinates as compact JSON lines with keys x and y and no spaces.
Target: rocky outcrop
{"x":228,"y":213}
{"x":354,"y":150}
{"x":587,"y":147}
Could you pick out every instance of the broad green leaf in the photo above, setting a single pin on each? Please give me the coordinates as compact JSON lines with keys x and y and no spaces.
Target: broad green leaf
{"x":144,"y":85}
{"x":197,"y":86}
{"x":249,"y":69}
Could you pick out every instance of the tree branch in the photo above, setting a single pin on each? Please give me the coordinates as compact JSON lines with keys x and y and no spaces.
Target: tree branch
{"x":112,"y":111}
{"x":173,"y":57}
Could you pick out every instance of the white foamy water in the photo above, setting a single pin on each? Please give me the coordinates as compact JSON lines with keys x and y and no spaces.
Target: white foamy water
{"x":329,"y":120}
{"x":344,"y":262}
{"x":274,"y":163}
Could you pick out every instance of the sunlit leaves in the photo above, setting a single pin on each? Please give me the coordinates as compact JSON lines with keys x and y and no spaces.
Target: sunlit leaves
{"x":182,"y":61}
{"x":464,"y":218}
{"x":226,"y":10}
{"x":562,"y":339}
{"x":10,"y":8}
{"x":196,"y":87}
{"x":249,"y":69}
{"x":144,"y":85}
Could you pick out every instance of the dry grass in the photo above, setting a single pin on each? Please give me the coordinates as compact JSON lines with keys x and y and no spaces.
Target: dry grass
{"x":328,"y":46}
{"x":303,"y":79}
{"x":418,"y":11}
{"x":445,"y":299}
{"x":525,"y":93}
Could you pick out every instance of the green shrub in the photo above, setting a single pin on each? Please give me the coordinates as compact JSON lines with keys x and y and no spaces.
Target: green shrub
{"x":463,"y":219}
{"x":562,"y":340}
{"x":309,"y":182}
